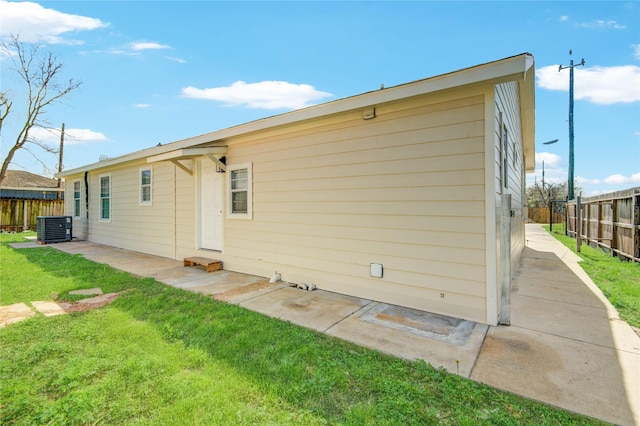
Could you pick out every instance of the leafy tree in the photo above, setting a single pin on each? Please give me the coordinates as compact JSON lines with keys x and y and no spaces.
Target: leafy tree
{"x":39,"y":71}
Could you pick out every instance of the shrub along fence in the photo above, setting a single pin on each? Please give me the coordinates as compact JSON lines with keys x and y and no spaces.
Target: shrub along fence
{"x":610,"y":221}
{"x":20,"y":215}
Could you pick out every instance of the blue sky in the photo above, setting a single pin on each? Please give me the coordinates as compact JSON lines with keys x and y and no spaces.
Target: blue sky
{"x":157,"y":72}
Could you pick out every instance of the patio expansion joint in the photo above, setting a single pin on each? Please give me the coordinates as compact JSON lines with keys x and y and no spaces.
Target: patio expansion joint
{"x":574,"y":339}
{"x":354,"y":313}
{"x":562,"y":302}
{"x":260,"y":293}
{"x":475,"y":359}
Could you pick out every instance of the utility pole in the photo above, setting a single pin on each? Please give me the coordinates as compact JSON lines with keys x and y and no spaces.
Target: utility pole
{"x":571,"y":66}
{"x":60,"y":157}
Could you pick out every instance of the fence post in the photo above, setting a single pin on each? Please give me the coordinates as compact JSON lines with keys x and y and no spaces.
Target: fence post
{"x":566,"y":218}
{"x":25,"y":222}
{"x":578,"y":223}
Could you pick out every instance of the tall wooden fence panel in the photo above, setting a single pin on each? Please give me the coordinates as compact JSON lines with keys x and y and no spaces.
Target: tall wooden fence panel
{"x":611,"y":221}
{"x":20,"y":215}
{"x":541,"y":215}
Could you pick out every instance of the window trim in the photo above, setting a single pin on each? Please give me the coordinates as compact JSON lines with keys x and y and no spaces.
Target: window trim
{"x":77,"y":200}
{"x":230,"y":213}
{"x":101,"y":219}
{"x":142,"y":202}
{"x":505,"y":144}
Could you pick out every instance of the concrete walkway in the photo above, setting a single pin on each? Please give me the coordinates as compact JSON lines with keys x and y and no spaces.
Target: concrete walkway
{"x":566,"y":345}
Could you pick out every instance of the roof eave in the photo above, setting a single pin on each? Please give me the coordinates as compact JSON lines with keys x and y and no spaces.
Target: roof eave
{"x":513,"y":66}
{"x":528,"y":116}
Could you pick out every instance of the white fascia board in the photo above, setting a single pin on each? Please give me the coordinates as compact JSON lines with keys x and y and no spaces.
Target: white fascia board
{"x":32,"y":188}
{"x":511,"y":68}
{"x":528,"y":115}
{"x":185,"y":153}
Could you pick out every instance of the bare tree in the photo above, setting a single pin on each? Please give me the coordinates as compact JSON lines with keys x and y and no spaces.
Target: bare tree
{"x":5,"y":108}
{"x":541,"y":195}
{"x":39,"y":71}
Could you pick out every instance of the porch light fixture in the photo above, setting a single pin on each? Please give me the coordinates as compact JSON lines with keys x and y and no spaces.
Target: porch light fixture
{"x":223,"y":160}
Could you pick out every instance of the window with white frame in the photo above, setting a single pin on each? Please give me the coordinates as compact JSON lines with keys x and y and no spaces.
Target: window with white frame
{"x":76,"y":198}
{"x":145,"y":186}
{"x":105,"y":198}
{"x":240,"y":191}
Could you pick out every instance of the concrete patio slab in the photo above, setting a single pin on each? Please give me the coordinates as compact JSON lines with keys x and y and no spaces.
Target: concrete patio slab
{"x":16,"y":312}
{"x":188,"y":282}
{"x":579,"y":322}
{"x":238,"y":294}
{"x":552,"y":287}
{"x":27,"y":244}
{"x":586,"y":378}
{"x":566,"y":345}
{"x":317,"y":309}
{"x":442,"y":341}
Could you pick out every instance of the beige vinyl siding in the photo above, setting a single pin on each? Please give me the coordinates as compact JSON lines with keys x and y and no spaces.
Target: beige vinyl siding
{"x":147,"y":228}
{"x":507,"y":115}
{"x":79,"y":224}
{"x":405,"y":189}
{"x":507,"y":100}
{"x":185,"y":212}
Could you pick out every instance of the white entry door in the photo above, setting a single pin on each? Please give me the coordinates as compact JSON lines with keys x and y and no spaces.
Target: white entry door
{"x":211,"y":205}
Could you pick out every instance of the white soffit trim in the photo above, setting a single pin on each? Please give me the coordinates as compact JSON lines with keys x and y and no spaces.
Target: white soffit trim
{"x":187,"y":153}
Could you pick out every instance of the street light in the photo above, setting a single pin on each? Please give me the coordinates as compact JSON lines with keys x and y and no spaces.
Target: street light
{"x":549,"y":200}
{"x":546,"y":143}
{"x":570,"y":66}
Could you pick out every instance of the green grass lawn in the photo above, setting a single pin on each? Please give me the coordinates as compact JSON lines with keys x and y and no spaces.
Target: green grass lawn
{"x":618,"y":279}
{"x":162,"y":356}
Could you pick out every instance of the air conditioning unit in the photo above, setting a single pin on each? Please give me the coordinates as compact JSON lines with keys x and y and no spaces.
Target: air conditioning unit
{"x":54,"y":229}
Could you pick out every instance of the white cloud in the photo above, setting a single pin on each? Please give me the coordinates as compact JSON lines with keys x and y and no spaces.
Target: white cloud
{"x":602,"y":24}
{"x":582,"y":181}
{"x":145,"y":45}
{"x":595,"y":192}
{"x":600,"y":85}
{"x":636,"y":50}
{"x":178,"y":60}
{"x":141,"y":105}
{"x":551,"y":161}
{"x":618,"y":179}
{"x":35,"y":23}
{"x":553,"y":172}
{"x":264,"y":95}
{"x":564,"y":18}
{"x":137,"y":47}
{"x":51,"y":136}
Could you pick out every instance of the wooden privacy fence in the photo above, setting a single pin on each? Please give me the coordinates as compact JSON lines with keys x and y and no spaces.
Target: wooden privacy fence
{"x":20,"y":215}
{"x":611,"y":221}
{"x":541,"y":215}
